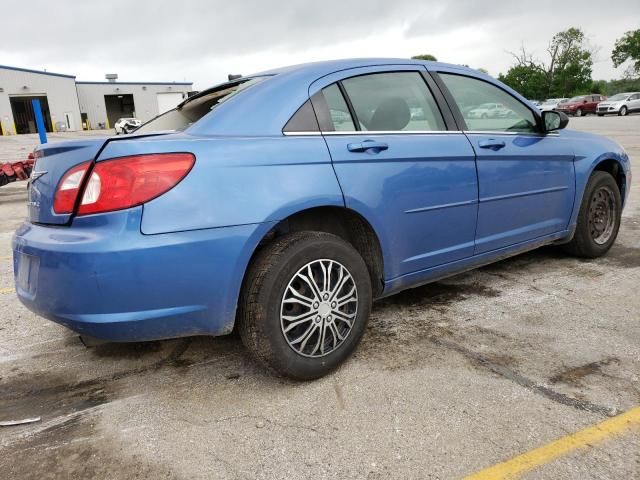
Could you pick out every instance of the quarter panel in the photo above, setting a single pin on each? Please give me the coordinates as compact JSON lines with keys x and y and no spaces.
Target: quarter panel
{"x":238,"y":181}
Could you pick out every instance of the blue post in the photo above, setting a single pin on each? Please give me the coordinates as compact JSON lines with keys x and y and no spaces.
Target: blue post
{"x":39,"y":120}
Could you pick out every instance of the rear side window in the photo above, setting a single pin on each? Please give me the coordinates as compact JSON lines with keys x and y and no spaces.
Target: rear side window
{"x":304,"y":120}
{"x":339,"y":114}
{"x":485,"y":107}
{"x":394,"y":101}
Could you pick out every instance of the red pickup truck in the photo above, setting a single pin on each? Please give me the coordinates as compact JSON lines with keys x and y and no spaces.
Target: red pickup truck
{"x":581,"y":105}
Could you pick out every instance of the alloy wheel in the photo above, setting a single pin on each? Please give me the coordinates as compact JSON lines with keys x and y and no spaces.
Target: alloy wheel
{"x":318,"y":308}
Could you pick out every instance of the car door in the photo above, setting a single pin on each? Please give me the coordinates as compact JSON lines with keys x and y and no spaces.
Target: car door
{"x":401,"y":163}
{"x":634,"y":103}
{"x":526,"y":178}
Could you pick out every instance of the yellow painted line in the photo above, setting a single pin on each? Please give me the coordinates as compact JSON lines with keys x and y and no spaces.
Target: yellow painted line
{"x":516,"y":466}
{"x":2,"y":129}
{"x":6,"y":290}
{"x":5,"y":258}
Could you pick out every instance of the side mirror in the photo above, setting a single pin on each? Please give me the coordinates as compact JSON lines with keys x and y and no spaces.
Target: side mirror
{"x":584,"y":101}
{"x":554,"y":120}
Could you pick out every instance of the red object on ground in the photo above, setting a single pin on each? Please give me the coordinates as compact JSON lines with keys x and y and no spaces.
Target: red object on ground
{"x":12,"y":171}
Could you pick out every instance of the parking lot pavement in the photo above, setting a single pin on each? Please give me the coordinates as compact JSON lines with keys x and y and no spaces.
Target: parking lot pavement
{"x":450,"y":379}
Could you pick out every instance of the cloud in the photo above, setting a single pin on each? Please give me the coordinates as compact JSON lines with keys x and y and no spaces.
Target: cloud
{"x":203,"y":40}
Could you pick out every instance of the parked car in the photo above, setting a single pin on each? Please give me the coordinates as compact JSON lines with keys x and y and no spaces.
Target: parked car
{"x":581,"y":105}
{"x":552,"y":103}
{"x":126,"y":125}
{"x":489,"y":110}
{"x":536,"y":103}
{"x":621,"y":104}
{"x":251,"y":205}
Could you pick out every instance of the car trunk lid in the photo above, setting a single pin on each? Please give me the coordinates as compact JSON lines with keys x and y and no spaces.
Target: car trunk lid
{"x":52,"y":161}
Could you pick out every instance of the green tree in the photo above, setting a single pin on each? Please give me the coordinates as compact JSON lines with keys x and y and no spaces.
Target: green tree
{"x":566,"y":72}
{"x":599,"y":86}
{"x":569,"y":69}
{"x":426,"y":56}
{"x":627,"y":48}
{"x":529,"y":80}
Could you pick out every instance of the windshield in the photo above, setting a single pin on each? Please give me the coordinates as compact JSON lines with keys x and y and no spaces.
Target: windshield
{"x":196,"y":107}
{"x":576,"y":99}
{"x":618,"y":97}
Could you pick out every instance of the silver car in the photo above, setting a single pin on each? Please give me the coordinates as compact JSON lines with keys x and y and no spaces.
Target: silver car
{"x":551,"y":104}
{"x":620,"y":104}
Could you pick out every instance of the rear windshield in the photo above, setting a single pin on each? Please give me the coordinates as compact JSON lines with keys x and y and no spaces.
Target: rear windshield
{"x":196,"y":107}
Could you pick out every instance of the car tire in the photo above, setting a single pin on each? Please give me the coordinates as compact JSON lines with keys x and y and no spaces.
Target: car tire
{"x":601,"y":114}
{"x":302,"y":345}
{"x":579,"y":112}
{"x":598,"y":219}
{"x":623,"y":111}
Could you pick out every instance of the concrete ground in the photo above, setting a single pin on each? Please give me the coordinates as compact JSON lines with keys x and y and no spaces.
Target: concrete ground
{"x":450,"y":378}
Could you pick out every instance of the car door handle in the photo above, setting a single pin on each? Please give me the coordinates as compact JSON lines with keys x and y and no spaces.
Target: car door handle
{"x":492,"y":144}
{"x":367,"y":145}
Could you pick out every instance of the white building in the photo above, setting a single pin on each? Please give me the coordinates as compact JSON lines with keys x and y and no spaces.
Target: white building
{"x":102,"y":103}
{"x":70,"y":105}
{"x":56,"y":92}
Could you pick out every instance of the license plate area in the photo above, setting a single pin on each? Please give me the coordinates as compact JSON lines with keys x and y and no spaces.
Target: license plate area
{"x":27,"y":273}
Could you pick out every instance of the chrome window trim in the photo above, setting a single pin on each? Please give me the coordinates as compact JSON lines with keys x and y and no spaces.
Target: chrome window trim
{"x":499,"y":132}
{"x":420,"y":132}
{"x":379,"y":132}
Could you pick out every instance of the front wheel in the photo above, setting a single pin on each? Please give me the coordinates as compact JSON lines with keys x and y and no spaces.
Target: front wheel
{"x":623,"y":111}
{"x":598,"y":219}
{"x":305,"y":304}
{"x":579,"y":112}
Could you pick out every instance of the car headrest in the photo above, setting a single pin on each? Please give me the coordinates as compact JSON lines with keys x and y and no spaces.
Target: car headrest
{"x":392,"y":114}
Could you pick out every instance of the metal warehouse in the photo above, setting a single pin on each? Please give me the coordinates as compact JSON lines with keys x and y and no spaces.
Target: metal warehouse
{"x":103,"y":103}
{"x":70,"y":105}
{"x":57,"y":95}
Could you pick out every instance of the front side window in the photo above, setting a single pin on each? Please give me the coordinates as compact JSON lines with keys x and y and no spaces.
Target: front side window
{"x":486,"y":107}
{"x":394,"y":101}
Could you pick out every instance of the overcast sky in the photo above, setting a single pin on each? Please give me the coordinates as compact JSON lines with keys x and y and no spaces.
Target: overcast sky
{"x":203,"y":41}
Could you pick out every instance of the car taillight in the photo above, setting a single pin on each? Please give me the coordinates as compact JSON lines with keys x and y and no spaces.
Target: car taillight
{"x":124,"y":182}
{"x":68,"y":188}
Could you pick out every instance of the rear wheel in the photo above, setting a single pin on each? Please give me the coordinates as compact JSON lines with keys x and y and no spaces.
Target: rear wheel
{"x":598,"y":219}
{"x":623,"y":111}
{"x":305,"y":304}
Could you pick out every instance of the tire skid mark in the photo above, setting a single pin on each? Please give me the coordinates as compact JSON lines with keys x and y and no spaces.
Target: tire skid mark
{"x":509,"y":374}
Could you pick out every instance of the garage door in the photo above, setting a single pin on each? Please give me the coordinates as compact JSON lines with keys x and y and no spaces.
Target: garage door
{"x":167,"y":101}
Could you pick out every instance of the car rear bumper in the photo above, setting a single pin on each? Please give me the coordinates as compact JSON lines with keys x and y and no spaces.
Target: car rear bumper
{"x":105,"y":279}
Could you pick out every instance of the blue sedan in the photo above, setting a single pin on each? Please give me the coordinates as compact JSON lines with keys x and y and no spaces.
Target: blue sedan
{"x":283,"y":203}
